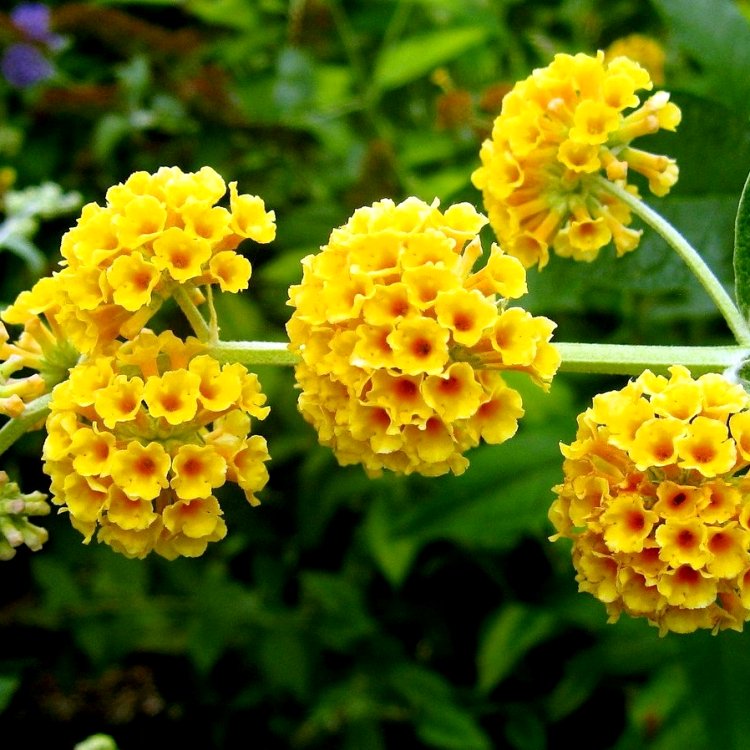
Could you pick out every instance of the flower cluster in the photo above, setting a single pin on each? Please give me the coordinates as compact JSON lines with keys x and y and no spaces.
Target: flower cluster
{"x":138,"y":440}
{"x":657,"y":503}
{"x":402,"y":343}
{"x":557,"y":131}
{"x":15,"y":392}
{"x":16,"y":508}
{"x":27,"y":62}
{"x":644,"y":50}
{"x":31,"y":364}
{"x":157,"y":233}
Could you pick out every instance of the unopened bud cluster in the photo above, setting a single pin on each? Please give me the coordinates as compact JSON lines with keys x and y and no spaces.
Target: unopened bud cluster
{"x":16,"y":509}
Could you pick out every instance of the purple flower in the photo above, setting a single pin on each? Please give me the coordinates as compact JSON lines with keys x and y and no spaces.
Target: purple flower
{"x":23,"y":65}
{"x":33,"y":19}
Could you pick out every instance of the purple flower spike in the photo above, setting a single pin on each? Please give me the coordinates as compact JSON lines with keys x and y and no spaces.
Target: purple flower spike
{"x":34,"y":19}
{"x":23,"y":65}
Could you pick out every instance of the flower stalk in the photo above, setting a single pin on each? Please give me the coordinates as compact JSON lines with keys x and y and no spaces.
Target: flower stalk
{"x":33,"y":414}
{"x":603,"y":359}
{"x":626,"y":359}
{"x":192,"y":313}
{"x":254,"y":352}
{"x":690,"y":255}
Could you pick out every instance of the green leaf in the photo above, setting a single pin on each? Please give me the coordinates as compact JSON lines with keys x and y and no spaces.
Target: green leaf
{"x":708,"y":164}
{"x":62,"y":592}
{"x":452,"y":728}
{"x":96,"y":742}
{"x":137,"y":2}
{"x":524,"y":729}
{"x":227,"y":612}
{"x":234,"y":14}
{"x":717,"y":35}
{"x":337,"y":608}
{"x":333,"y":87}
{"x":574,"y":689}
{"x":26,"y":251}
{"x":742,"y":252}
{"x":295,"y":83}
{"x":109,"y":132}
{"x":8,"y":686}
{"x":718,"y":672}
{"x":414,"y":150}
{"x":285,"y":661}
{"x":656,"y":709}
{"x":338,"y":706}
{"x":504,"y":496}
{"x":393,"y":554}
{"x":443,"y":183}
{"x":438,"y":720}
{"x":653,"y":272}
{"x":513,"y":630}
{"x":418,"y":55}
{"x":418,"y":685}
{"x":364,"y":734}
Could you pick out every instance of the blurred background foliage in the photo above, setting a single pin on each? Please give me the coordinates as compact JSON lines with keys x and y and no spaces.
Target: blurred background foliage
{"x":345,"y":612}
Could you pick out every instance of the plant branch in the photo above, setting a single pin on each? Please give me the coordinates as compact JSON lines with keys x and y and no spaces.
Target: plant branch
{"x":613,"y":359}
{"x":192,"y":313}
{"x":254,"y":352}
{"x":34,"y":412}
{"x":690,"y":255}
{"x":624,"y":359}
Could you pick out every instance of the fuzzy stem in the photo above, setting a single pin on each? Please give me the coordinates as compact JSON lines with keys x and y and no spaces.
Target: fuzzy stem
{"x":34,"y":412}
{"x":624,"y":359}
{"x":689,"y":254}
{"x":254,"y":352}
{"x":192,"y":313}
{"x":612,"y":359}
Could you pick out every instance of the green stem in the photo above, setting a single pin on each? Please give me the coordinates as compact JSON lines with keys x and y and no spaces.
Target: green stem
{"x":192,"y":313}
{"x":687,"y":252}
{"x":34,"y":412}
{"x":254,"y":352}
{"x":611,"y":359}
{"x":213,"y":319}
{"x":624,"y":359}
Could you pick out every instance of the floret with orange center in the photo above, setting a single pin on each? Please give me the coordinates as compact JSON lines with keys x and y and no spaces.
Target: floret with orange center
{"x":141,"y":470}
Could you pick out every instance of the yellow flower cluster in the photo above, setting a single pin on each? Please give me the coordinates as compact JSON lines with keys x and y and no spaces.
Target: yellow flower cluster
{"x":644,"y":50}
{"x":157,"y":232}
{"x":557,"y":131}
{"x":402,"y":343}
{"x":657,"y":502}
{"x":138,"y":439}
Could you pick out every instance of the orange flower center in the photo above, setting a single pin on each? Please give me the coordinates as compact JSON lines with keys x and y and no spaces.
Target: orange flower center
{"x":145,"y":466}
{"x":635,"y":520}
